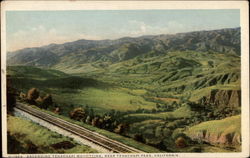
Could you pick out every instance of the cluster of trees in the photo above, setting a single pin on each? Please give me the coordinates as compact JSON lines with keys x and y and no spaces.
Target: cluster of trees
{"x":206,"y":112}
{"x":162,"y":136}
{"x":33,"y":97}
{"x":110,"y":121}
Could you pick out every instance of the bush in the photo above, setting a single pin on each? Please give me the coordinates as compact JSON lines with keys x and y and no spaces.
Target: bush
{"x":78,"y":114}
{"x":121,"y":128}
{"x":88,"y":120}
{"x":32,"y":95}
{"x":95,"y":121}
{"x":166,"y":132}
{"x":22,"y":96}
{"x":39,"y":101}
{"x":46,"y":101}
{"x":180,"y":142}
{"x":57,"y":110}
{"x":138,"y":137}
{"x":159,"y":131}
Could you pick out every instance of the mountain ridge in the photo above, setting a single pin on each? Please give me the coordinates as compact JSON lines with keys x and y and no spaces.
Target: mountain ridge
{"x":122,"y":49}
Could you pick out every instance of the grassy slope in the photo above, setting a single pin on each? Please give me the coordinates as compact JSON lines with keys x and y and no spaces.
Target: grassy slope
{"x":67,"y":90}
{"x":26,"y":131}
{"x":105,"y":99}
{"x":184,"y":111}
{"x":176,"y":73}
{"x":34,"y":73}
{"x":227,"y":125}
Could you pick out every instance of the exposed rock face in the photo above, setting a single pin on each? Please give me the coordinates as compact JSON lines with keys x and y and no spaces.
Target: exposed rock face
{"x":225,"y":132}
{"x":232,"y":139}
{"x":223,"y":98}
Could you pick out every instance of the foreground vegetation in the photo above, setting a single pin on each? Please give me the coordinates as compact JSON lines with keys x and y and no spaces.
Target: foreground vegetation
{"x":25,"y":136}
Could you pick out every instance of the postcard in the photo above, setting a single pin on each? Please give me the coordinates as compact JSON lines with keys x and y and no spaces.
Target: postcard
{"x":125,"y":79}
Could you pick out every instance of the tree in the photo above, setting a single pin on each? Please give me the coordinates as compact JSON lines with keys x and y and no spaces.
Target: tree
{"x":78,"y":114}
{"x":95,"y":121}
{"x":47,"y":101}
{"x":39,"y":101}
{"x":180,"y":142}
{"x":91,"y":113}
{"x":88,"y":120}
{"x":107,"y":122}
{"x":121,"y":128}
{"x":22,"y":96}
{"x":138,"y":137}
{"x":32,"y":95}
{"x":57,"y":110}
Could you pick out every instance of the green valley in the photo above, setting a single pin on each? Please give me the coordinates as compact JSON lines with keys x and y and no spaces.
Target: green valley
{"x":162,"y":91}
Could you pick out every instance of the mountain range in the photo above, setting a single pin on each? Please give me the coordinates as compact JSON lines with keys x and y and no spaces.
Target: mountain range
{"x":106,"y":52}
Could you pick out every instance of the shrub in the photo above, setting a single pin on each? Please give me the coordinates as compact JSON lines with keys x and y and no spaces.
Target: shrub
{"x":22,"y":96}
{"x":77,"y":114}
{"x":32,"y":95}
{"x":159,"y":131}
{"x":88,"y":120}
{"x":138,"y":137}
{"x":166,"y":132}
{"x":46,"y":101}
{"x":39,"y":101}
{"x":95,"y":121}
{"x":121,"y":128}
{"x":57,"y":110}
{"x":180,"y":142}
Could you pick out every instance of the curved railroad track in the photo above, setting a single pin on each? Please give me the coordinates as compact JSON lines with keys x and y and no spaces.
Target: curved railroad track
{"x":82,"y":132}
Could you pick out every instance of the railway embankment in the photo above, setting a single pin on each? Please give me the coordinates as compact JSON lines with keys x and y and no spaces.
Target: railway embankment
{"x":78,"y":133}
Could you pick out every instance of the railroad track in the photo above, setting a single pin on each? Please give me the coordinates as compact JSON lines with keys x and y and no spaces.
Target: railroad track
{"x":82,"y":132}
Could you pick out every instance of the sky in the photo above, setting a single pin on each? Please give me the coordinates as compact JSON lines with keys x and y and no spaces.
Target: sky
{"x":38,"y":28}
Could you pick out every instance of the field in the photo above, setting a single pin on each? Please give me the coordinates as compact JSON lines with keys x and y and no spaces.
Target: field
{"x":181,"y":112}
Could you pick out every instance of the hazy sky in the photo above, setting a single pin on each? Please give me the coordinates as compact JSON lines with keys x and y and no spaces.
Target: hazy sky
{"x":37,"y":28}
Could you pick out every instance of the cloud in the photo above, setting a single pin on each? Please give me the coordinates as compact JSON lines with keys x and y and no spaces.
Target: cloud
{"x":138,"y":28}
{"x":39,"y":36}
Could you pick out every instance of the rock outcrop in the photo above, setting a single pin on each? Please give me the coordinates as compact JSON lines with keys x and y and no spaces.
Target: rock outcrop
{"x":225,"y":132}
{"x":223,"y":98}
{"x":232,"y":139}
